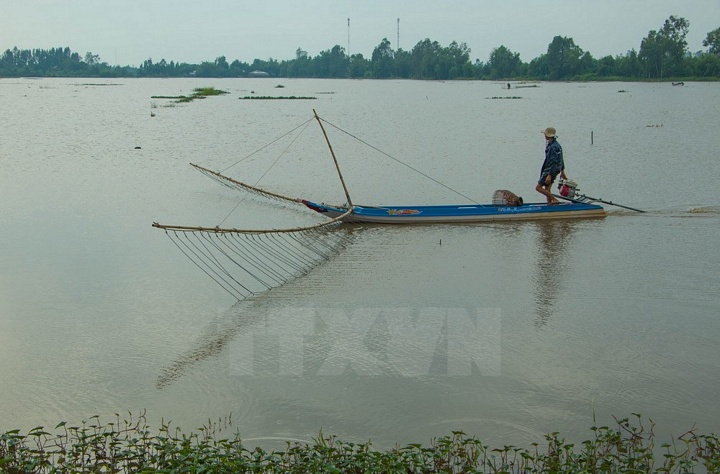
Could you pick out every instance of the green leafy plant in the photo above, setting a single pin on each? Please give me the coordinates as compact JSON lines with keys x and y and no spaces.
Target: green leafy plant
{"x":127,"y":444}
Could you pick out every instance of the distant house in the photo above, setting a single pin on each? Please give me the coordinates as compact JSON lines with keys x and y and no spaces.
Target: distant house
{"x":258,"y":74}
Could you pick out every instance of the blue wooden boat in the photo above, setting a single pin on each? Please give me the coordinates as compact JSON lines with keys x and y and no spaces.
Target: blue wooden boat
{"x":457,"y":213}
{"x":247,"y":261}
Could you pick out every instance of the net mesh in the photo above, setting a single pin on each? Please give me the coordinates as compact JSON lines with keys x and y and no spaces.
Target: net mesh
{"x":240,"y":186}
{"x":246,"y":263}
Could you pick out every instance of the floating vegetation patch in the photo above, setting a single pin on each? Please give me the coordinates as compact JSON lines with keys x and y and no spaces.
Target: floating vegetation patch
{"x":198,"y":93}
{"x":207,"y":91}
{"x":324,"y":92}
{"x":184,"y":99}
{"x":267,"y":97}
{"x":97,"y":84}
{"x":513,"y":97}
{"x":704,"y":210}
{"x":524,"y":85}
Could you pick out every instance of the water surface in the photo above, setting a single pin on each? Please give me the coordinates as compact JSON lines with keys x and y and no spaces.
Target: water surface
{"x":100,"y":313}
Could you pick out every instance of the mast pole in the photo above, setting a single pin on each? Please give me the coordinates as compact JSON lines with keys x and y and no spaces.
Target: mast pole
{"x":397,"y":47}
{"x":337,"y":166}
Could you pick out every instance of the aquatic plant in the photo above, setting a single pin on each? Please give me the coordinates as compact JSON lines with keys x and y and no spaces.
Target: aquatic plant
{"x":127,"y":444}
{"x":267,"y":97}
{"x":207,"y":91}
{"x":198,"y":93}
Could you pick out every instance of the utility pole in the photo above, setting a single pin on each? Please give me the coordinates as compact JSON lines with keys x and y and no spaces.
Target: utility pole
{"x":398,"y":35}
{"x":348,"y":50}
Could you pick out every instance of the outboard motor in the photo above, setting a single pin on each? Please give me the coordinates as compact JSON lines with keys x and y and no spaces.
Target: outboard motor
{"x":567,"y":188}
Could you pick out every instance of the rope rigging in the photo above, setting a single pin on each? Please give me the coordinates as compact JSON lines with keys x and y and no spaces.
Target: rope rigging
{"x":400,"y":161}
{"x":220,"y":177}
{"x":304,"y":124}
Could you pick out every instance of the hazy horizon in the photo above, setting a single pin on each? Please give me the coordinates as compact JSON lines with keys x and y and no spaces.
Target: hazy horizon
{"x":128,"y":32}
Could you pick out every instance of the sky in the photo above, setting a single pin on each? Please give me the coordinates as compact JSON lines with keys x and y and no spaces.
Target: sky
{"x":128,"y":32}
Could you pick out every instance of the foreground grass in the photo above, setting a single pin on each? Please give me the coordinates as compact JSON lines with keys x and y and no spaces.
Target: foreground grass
{"x":129,"y":445}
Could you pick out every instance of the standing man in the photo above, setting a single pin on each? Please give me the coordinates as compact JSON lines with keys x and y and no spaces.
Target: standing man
{"x":552,"y":166}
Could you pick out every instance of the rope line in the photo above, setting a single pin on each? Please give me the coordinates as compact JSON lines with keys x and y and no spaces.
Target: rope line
{"x":237,"y":263}
{"x":272,"y":165}
{"x":210,"y":259}
{"x":231,"y":290}
{"x":400,"y":161}
{"x":271,"y":143}
{"x":241,"y":252}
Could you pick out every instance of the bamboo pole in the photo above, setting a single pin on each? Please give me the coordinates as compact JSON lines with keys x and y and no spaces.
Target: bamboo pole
{"x":337,"y":166}
{"x":227,"y":230}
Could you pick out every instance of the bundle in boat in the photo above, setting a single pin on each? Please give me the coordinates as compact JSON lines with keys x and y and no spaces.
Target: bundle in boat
{"x":503,"y":197}
{"x":247,"y":262}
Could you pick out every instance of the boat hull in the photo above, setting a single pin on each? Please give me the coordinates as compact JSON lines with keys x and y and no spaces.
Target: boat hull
{"x":460,"y":213}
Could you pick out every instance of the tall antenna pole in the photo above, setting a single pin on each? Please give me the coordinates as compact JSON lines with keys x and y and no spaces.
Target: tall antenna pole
{"x":348,"y":51}
{"x":398,"y":34}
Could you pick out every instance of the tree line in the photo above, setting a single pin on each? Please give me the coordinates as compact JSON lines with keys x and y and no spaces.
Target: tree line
{"x":663,"y":54}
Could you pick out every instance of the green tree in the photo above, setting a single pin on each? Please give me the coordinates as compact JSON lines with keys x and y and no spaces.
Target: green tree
{"x":91,"y":58}
{"x":587,"y":65}
{"x":271,"y":66}
{"x":628,"y":65}
{"x":238,"y":69}
{"x":425,"y":56}
{"x":563,"y":58}
{"x":504,"y":64}
{"x":301,"y":66}
{"x":538,"y":68}
{"x":222,"y":66}
{"x":359,"y":66}
{"x":332,"y":63}
{"x":606,"y":66}
{"x":206,"y":69}
{"x":662,"y":52}
{"x":457,"y":59}
{"x":403,"y":64}
{"x":382,"y":60}
{"x":706,"y":65}
{"x":712,"y":41}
